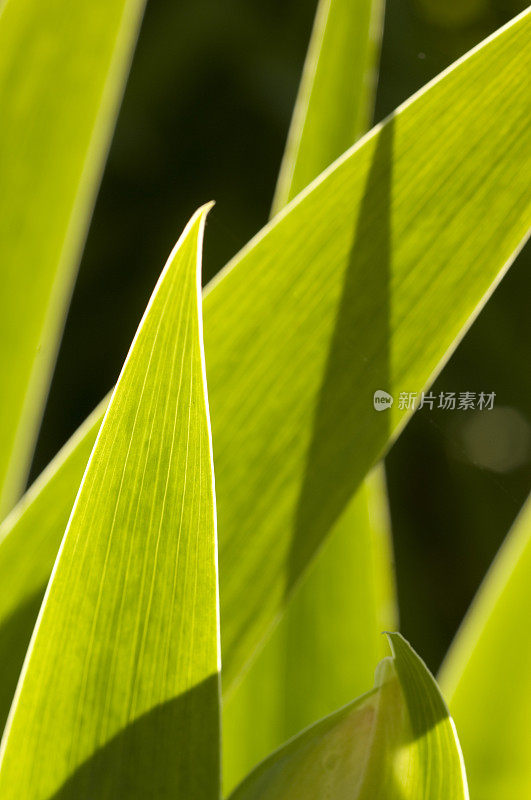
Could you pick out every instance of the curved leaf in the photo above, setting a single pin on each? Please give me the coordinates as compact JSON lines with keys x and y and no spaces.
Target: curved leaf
{"x":397,"y":742}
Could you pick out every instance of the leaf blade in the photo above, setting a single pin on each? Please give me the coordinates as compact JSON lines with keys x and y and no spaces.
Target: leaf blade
{"x":354,"y":312}
{"x":62,"y":70}
{"x":336,"y":95}
{"x":127,"y":641}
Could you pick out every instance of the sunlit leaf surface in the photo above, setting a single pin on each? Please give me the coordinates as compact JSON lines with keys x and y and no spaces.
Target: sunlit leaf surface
{"x":119,"y":696}
{"x":366,"y":281}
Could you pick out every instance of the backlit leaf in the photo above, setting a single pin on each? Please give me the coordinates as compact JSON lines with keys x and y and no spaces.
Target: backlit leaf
{"x":62,"y":70}
{"x":397,"y":742}
{"x":119,"y":695}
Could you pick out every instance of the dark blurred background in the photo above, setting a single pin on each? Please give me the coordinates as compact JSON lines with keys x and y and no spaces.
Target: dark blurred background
{"x":205,"y":116}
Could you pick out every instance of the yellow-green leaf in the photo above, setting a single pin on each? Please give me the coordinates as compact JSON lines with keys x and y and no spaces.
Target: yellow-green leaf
{"x":397,"y":742}
{"x":119,"y":695}
{"x":62,"y":69}
{"x":366,"y":281}
{"x":29,"y":540}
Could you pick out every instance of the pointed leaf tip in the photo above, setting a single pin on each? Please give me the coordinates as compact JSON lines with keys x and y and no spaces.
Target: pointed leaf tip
{"x":396,"y":742}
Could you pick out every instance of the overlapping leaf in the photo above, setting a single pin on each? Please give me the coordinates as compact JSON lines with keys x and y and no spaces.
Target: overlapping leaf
{"x":366,"y":281}
{"x":397,"y":742}
{"x":119,"y":695}
{"x":487,"y":674}
{"x":62,"y":69}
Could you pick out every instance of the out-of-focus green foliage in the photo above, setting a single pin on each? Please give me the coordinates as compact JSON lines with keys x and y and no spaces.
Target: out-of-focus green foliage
{"x":486,"y":676}
{"x":62,"y":70}
{"x":119,"y":695}
{"x":397,"y":742}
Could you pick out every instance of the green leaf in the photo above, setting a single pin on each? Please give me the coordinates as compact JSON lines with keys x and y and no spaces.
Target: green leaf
{"x":119,"y":694}
{"x":368,"y":280}
{"x":62,"y":70}
{"x":397,"y":742}
{"x":487,"y":674}
{"x":324,"y":649}
{"x":329,"y":639}
{"x":336,"y":96}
